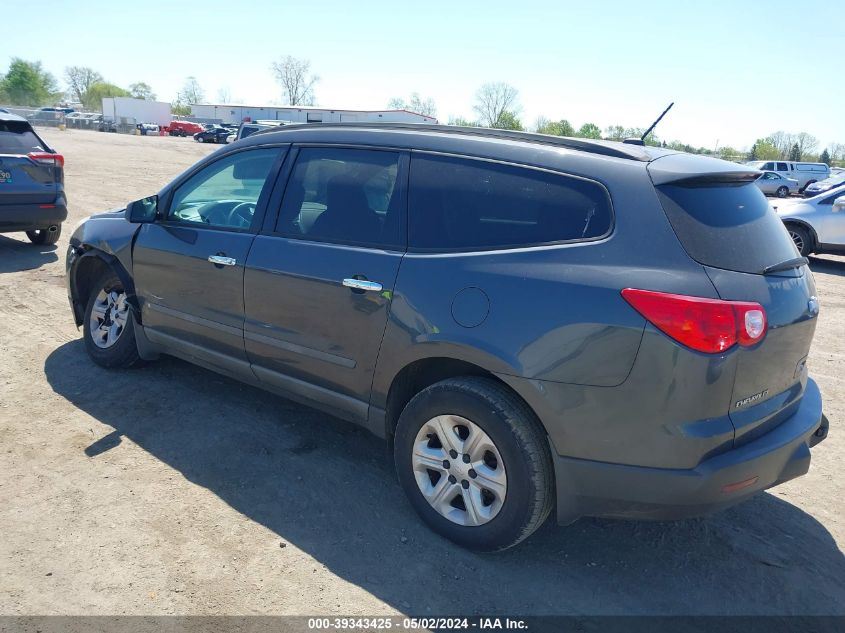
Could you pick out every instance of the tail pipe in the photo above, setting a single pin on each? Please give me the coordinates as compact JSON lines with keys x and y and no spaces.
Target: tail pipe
{"x":821,"y":432}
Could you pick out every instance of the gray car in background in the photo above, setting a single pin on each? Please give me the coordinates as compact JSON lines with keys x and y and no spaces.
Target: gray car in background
{"x":482,"y":300}
{"x":817,"y":224}
{"x":773,"y":184}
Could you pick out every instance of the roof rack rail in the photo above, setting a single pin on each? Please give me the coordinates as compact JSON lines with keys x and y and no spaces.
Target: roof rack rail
{"x":604,"y":148}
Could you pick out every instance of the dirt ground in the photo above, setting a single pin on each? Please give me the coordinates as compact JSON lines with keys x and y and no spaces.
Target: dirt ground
{"x":171,"y":490}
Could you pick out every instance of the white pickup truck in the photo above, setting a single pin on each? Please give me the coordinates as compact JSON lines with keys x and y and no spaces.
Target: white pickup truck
{"x":804,"y":173}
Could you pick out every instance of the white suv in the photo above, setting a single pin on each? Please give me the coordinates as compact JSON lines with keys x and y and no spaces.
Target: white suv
{"x":804,"y":173}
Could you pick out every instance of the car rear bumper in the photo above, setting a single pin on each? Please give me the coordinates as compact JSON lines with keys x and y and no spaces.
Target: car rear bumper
{"x":590,"y":488}
{"x":27,"y":217}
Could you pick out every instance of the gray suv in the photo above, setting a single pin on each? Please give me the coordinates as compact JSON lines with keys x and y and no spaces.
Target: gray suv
{"x":532,"y":322}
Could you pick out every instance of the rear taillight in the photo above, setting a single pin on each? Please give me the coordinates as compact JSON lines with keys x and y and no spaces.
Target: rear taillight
{"x":705,"y":325}
{"x":46,"y":158}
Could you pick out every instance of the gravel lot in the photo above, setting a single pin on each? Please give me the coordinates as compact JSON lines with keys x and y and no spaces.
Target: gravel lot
{"x":171,"y":490}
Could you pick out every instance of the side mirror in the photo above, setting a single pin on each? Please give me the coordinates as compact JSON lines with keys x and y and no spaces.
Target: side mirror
{"x":142,"y":211}
{"x":839,"y":204}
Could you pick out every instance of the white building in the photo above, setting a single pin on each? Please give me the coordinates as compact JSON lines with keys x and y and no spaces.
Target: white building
{"x":231,"y":113}
{"x":129,"y":110}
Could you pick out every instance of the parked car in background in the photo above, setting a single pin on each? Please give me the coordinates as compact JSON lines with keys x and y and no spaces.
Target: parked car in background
{"x":32,"y":195}
{"x":804,"y":173}
{"x":836,"y":178}
{"x":104,"y":125}
{"x":232,"y":138}
{"x":817,"y":224}
{"x":773,"y":184}
{"x":184,"y":128}
{"x":148,"y":129}
{"x":216,"y":134}
{"x":52,"y":109}
{"x":483,"y":300}
{"x":248,"y":129}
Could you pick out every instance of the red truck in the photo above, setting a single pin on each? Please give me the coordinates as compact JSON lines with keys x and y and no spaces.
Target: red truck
{"x":184,"y":128}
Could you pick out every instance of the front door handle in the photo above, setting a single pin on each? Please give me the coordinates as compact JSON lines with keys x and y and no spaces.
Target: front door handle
{"x":362,"y":284}
{"x":220,"y":260}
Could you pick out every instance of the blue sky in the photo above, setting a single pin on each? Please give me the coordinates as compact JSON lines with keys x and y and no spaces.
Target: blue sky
{"x":736,"y":70}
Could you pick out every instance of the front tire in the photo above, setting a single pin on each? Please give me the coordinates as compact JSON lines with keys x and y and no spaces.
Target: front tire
{"x":45,"y":236}
{"x":199,"y":139}
{"x":108,"y":326}
{"x":474,"y":462}
{"x":801,"y":238}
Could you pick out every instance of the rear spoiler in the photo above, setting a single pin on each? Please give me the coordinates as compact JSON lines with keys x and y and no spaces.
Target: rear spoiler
{"x":691,"y":170}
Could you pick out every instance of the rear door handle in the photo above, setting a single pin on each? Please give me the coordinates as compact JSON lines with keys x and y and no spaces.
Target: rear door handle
{"x":362,"y":284}
{"x":220,"y":260}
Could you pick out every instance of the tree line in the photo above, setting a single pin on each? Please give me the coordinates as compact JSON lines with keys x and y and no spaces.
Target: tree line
{"x":496,"y":105}
{"x":27,"y":83}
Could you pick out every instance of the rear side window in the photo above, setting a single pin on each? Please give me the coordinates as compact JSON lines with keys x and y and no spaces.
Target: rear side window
{"x":727,"y":225}
{"x":17,"y":137}
{"x":344,"y":196}
{"x":467,"y":204}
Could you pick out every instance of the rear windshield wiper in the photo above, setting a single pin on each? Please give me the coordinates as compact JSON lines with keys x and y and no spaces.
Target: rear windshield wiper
{"x":795,"y":262}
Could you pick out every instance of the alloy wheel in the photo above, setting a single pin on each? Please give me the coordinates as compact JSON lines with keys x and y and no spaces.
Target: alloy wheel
{"x":798,"y":240}
{"x":459,"y":470}
{"x":109,"y":316}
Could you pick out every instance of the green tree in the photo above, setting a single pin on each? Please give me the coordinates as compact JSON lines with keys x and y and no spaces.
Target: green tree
{"x":93,"y":99}
{"x":180,"y":109}
{"x":508,"y":121}
{"x":556,"y":128}
{"x":615,"y":133}
{"x":589,"y":130}
{"x":825,"y":157}
{"x":764,"y":149}
{"x":752,"y":153}
{"x":462,"y":122}
{"x":28,"y":84}
{"x":141,"y":90}
{"x":795,"y":152}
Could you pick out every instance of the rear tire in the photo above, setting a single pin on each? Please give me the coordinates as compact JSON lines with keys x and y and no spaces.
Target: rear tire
{"x":801,"y":238}
{"x":782,"y":192}
{"x":45,"y":236}
{"x":108,"y":325}
{"x":497,"y":492}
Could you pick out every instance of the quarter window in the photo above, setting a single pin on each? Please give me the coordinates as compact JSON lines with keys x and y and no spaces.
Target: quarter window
{"x":225,"y":193}
{"x":342,"y":195}
{"x":457,"y":203}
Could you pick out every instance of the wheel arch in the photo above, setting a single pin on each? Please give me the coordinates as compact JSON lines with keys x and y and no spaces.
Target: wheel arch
{"x":86,"y":269}
{"x":804,"y":225}
{"x":424,"y":372}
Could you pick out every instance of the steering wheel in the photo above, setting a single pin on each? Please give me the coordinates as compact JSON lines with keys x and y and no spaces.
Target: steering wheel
{"x":242,"y":212}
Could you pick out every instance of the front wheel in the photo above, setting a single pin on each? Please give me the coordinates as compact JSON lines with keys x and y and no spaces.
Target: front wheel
{"x":200,"y":140}
{"x":108,"y":326}
{"x":782,"y":191}
{"x":474,"y":462}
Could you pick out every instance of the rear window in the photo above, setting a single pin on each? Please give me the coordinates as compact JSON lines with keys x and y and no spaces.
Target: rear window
{"x":467,"y":204}
{"x":727,"y":225}
{"x":17,"y":137}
